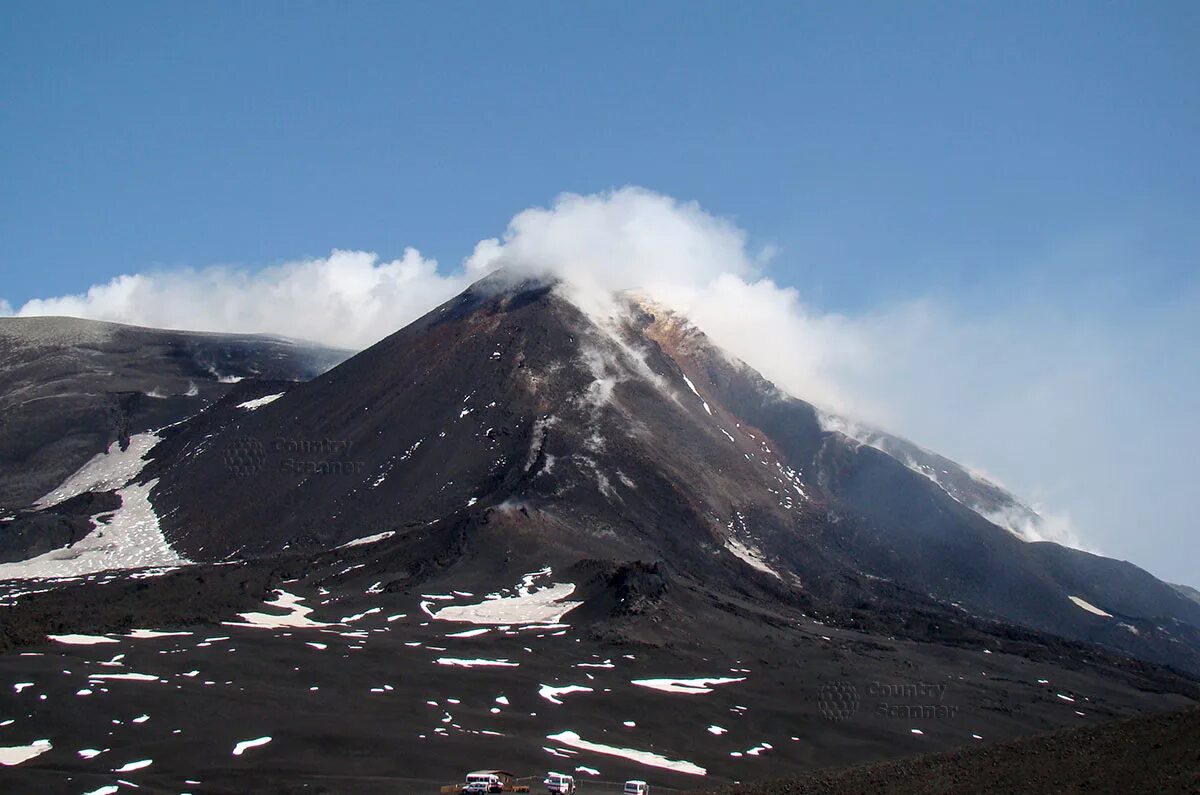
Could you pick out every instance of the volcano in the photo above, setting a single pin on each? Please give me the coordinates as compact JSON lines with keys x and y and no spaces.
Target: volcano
{"x":537,"y":529}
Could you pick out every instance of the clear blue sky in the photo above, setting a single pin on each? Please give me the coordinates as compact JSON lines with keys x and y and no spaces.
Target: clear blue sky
{"x":888,"y":149}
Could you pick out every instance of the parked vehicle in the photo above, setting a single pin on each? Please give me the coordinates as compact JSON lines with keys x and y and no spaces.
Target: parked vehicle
{"x":635,"y":787}
{"x":559,"y":784}
{"x":482,"y":782}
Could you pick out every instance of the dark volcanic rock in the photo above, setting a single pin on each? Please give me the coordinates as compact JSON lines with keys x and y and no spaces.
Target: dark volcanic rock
{"x":628,"y":439}
{"x":71,"y":387}
{"x":894,"y":522}
{"x":31,"y":533}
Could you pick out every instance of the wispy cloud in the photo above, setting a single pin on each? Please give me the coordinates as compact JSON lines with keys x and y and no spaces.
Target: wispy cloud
{"x":348,"y":299}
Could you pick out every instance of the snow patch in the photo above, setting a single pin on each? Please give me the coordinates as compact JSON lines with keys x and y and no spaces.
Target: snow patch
{"x":80,"y":640}
{"x":131,"y":539}
{"x":750,"y":554}
{"x":692,"y":387}
{"x":257,"y":403}
{"x":131,"y":677}
{"x":146,"y":634}
{"x":358,"y":542}
{"x":129,"y":767}
{"x":688,"y":686}
{"x":530,"y":605}
{"x":460,"y":663}
{"x":359,"y":616}
{"x":245,"y":745}
{"x":16,"y":754}
{"x":295,"y":618}
{"x":1090,"y":607}
{"x":573,"y":740}
{"x":469,"y":633}
{"x":552,"y":693}
{"x":105,"y":471}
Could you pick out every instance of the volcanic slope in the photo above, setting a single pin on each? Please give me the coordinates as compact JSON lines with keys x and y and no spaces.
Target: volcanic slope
{"x":627,"y":438}
{"x":919,"y":520}
{"x":69,"y":388}
{"x":514,"y":536}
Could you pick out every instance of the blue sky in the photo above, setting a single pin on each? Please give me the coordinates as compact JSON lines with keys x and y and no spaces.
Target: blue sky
{"x":893,"y":150}
{"x":1027,"y":169}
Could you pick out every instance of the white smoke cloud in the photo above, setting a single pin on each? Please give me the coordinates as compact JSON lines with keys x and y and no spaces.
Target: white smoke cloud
{"x":348,"y":299}
{"x":618,"y":240}
{"x":1074,"y":411}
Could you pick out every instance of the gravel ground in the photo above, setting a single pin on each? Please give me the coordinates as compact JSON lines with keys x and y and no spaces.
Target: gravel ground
{"x":1148,"y":754}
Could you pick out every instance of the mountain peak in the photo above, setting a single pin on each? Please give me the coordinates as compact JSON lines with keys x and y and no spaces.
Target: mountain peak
{"x":596,"y":426}
{"x":586,"y":478}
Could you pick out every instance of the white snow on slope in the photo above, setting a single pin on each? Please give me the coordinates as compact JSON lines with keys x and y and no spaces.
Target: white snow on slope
{"x":530,"y":605}
{"x":251,"y":405}
{"x":360,"y":616}
{"x":244,"y":745}
{"x":130,"y":540}
{"x":16,"y":754}
{"x":689,"y":686}
{"x":129,"y":767}
{"x":692,"y":387}
{"x":469,"y":633}
{"x":461,"y":663}
{"x":105,"y":471}
{"x":573,"y":740}
{"x":131,"y":677}
{"x":81,"y":640}
{"x":751,"y":555}
{"x":295,"y":618}
{"x":552,"y":693}
{"x":148,"y":634}
{"x":358,"y":542}
{"x":1090,"y":607}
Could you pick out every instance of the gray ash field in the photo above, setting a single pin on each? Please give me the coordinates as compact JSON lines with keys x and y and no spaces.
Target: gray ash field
{"x":518,"y":535}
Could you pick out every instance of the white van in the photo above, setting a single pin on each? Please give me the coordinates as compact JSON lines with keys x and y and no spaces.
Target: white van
{"x":559,"y":784}
{"x":636,"y":787}
{"x":481,"y":782}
